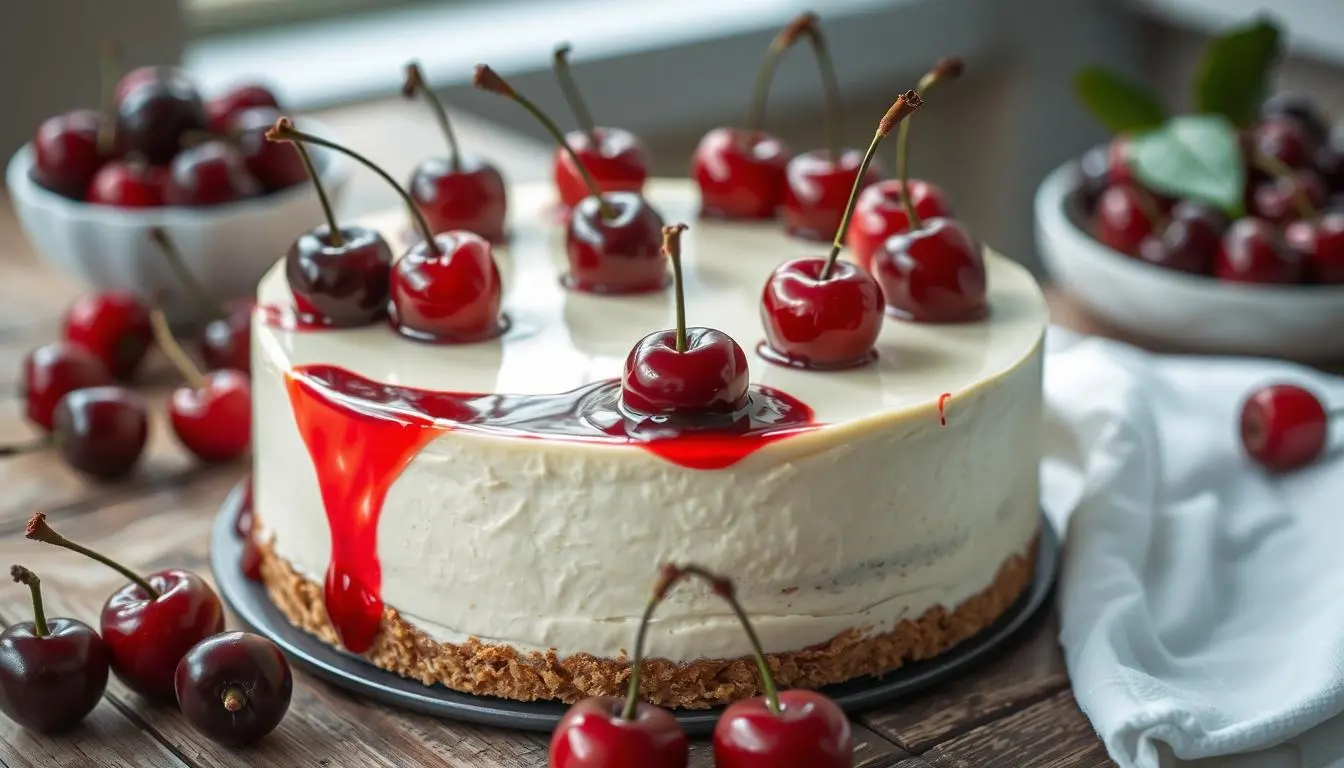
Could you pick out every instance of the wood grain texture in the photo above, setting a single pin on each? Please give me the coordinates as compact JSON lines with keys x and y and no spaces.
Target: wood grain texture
{"x":1050,"y":734}
{"x":870,"y":751}
{"x":106,"y":739}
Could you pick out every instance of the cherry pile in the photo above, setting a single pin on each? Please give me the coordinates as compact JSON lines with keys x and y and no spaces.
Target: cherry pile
{"x":162,"y":635}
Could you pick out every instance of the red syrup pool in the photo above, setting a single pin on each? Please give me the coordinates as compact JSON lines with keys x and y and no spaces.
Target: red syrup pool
{"x":361,"y":434}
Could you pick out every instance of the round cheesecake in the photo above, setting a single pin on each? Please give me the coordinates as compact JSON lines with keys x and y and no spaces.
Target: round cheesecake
{"x":485,"y":516}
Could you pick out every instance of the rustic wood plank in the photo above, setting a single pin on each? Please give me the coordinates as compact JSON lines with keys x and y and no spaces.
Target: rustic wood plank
{"x":1049,"y":734}
{"x":106,"y":739}
{"x":870,"y":751}
{"x":1030,"y":670}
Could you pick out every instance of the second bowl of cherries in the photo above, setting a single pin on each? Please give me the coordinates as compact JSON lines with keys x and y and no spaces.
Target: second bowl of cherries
{"x":1217,"y":229}
{"x":160,"y":154}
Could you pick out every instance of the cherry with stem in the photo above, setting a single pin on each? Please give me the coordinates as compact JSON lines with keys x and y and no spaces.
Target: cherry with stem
{"x":415,"y":85}
{"x":212,"y":415}
{"x":570,"y":89}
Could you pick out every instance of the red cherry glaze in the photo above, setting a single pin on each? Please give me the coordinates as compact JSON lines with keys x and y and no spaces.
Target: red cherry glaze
{"x":451,"y":295}
{"x":809,"y":732}
{"x":617,"y":161}
{"x":52,"y":371}
{"x":214,"y":421}
{"x":620,"y":254}
{"x":226,"y":342}
{"x":470,"y":198}
{"x":66,"y":155}
{"x":1122,"y":218}
{"x":817,"y":189}
{"x":934,"y":274}
{"x":114,"y":326}
{"x":1253,"y":252}
{"x":812,"y":322}
{"x":880,"y":213}
{"x":592,"y":734}
{"x":1322,"y":242}
{"x":273,"y":164}
{"x":1283,"y":427}
{"x":740,"y":174}
{"x":128,"y":185}
{"x":709,"y":377}
{"x":211,"y":173}
{"x":148,"y":636}
{"x":221,"y":110}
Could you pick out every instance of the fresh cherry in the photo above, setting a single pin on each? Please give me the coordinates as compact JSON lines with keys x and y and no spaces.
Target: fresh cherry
{"x":155,"y":111}
{"x":611,"y":732}
{"x":114,"y":326}
{"x":1284,"y":427}
{"x":614,"y":158}
{"x":1285,"y":141}
{"x":234,"y":687}
{"x":1118,"y":153}
{"x":1329,"y":167}
{"x":612,"y":239}
{"x":52,"y":371}
{"x":276,"y":166}
{"x":101,"y":431}
{"x":128,"y":184}
{"x":67,"y":152}
{"x":1292,"y":196}
{"x":822,"y":312}
{"x":684,"y":370}
{"x":461,"y":191}
{"x":1321,"y":241}
{"x":1300,"y":110}
{"x":1189,"y":242}
{"x":52,"y":671}
{"x":226,"y":342}
{"x":210,"y":173}
{"x":339,"y":276}
{"x":213,"y":416}
{"x":150,"y":623}
{"x":1253,"y":252}
{"x":1124,"y":216}
{"x":221,"y":110}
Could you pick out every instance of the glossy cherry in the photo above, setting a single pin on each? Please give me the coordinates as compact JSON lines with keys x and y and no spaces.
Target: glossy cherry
{"x":459,"y":191}
{"x":101,"y":431}
{"x":128,"y":184}
{"x":150,"y":623}
{"x":234,"y":687}
{"x":1252,"y":251}
{"x":339,"y":276}
{"x":614,"y":158}
{"x":1289,"y":197}
{"x":52,"y":671}
{"x":155,"y":111}
{"x":1321,"y":240}
{"x":274,"y":165}
{"x":226,"y":342}
{"x":611,"y":732}
{"x":1189,"y":242}
{"x":1284,"y":427}
{"x":114,"y":326}
{"x":1285,"y":141}
{"x":52,"y":371}
{"x":221,"y":110}
{"x":1124,"y":216}
{"x":1300,"y":110}
{"x":613,"y":239}
{"x":212,"y":416}
{"x":822,"y":312}
{"x":210,"y":173}
{"x":67,"y":152}
{"x":449,"y":291}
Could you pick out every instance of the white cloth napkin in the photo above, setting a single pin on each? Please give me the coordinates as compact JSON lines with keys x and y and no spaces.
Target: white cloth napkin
{"x":1202,"y":600}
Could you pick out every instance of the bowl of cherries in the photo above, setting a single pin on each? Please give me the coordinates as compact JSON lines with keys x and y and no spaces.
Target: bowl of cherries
{"x":158,"y":155}
{"x":1217,"y":230}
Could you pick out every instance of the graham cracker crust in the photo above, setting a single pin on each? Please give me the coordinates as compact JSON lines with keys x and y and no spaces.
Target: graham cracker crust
{"x":477,"y":668}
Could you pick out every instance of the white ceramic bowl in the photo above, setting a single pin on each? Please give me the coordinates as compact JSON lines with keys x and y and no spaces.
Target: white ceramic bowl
{"x":1185,"y":312}
{"x":228,"y":247}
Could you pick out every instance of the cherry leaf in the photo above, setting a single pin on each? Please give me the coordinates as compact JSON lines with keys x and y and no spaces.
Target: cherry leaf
{"x":1233,"y":77}
{"x":1194,"y":156}
{"x":1117,"y":103}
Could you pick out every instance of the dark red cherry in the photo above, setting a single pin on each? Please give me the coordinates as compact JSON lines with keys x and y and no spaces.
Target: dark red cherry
{"x":234,"y":687}
{"x":221,"y":110}
{"x":1283,"y":427}
{"x":66,"y":152}
{"x":933,"y":274}
{"x":1329,"y":166}
{"x":128,"y":184}
{"x":614,"y":245}
{"x":101,"y":431}
{"x":226,"y":342}
{"x":155,"y":112}
{"x":816,"y":322}
{"x":615,"y":157}
{"x":52,"y":371}
{"x":275,"y":165}
{"x":1321,"y":241}
{"x":740,"y":174}
{"x":214,"y":421}
{"x":448,"y":293}
{"x":346,"y":284}
{"x":709,"y":376}
{"x":817,"y":189}
{"x":1122,"y":220}
{"x":1189,"y":242}
{"x":880,"y":213}
{"x":1300,"y":110}
{"x":1095,"y":167}
{"x":1253,"y":252}
{"x":1285,"y":141}
{"x":1118,"y":154}
{"x":1287,"y":198}
{"x":211,"y":173}
{"x":114,"y":326}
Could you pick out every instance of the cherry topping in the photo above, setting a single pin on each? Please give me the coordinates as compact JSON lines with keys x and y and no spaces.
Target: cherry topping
{"x":210,"y":173}
{"x":67,"y":154}
{"x":114,"y":326}
{"x":609,"y":731}
{"x":213,"y":416}
{"x":150,"y":623}
{"x":52,"y":371}
{"x":52,"y":671}
{"x":461,"y":191}
{"x":234,"y":687}
{"x":612,"y":238}
{"x":128,"y":184}
{"x":221,"y":110}
{"x":826,"y":313}
{"x":1321,"y":240}
{"x":1284,"y":427}
{"x":613,"y":158}
{"x":684,"y":370}
{"x":155,"y":111}
{"x":101,"y":431}
{"x":272,"y":164}
{"x":1253,"y":252}
{"x":339,"y":276}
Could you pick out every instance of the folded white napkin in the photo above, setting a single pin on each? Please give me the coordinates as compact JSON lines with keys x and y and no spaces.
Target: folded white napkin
{"x":1202,"y":599}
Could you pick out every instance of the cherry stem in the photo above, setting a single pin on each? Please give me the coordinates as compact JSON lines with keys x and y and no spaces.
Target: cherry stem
{"x":1280,"y":170}
{"x":834,"y":124}
{"x":487,"y":79}
{"x":179,"y":357}
{"x":233,"y":699}
{"x":723,"y":587}
{"x":571,"y":91}
{"x":108,"y":68}
{"x":416,"y":84}
{"x":32,"y":446}
{"x":760,"y":92}
{"x":183,"y":272}
{"x":904,"y":106}
{"x":284,"y":130}
{"x":944,"y":69}
{"x":38,"y":530}
{"x":26,"y":577}
{"x":672,"y":249}
{"x":667,"y":578}
{"x":334,"y":235}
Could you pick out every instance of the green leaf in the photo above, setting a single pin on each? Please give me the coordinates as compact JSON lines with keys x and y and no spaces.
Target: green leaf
{"x":1120,"y":105}
{"x":1195,"y":156}
{"x":1233,"y":78}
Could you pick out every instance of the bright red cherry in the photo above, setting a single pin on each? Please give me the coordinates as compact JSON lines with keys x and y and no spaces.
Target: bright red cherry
{"x":114,"y":326}
{"x":221,"y":110}
{"x":226,"y":342}
{"x":234,"y":687}
{"x":213,"y":416}
{"x":826,"y":313}
{"x":1285,"y":141}
{"x":150,"y":623}
{"x":613,"y":157}
{"x":1284,"y":427}
{"x":1321,"y":240}
{"x":101,"y":431}
{"x":447,"y":291}
{"x":52,"y":671}
{"x":155,"y":111}
{"x":274,"y":165}
{"x":460,"y":191}
{"x":1253,"y":252}
{"x":210,"y":173}
{"x":67,"y":152}
{"x":128,"y":184}
{"x":1125,"y":215}
{"x":52,"y":371}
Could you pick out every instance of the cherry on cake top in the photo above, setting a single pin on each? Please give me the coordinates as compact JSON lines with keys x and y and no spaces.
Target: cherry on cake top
{"x":614,"y":158}
{"x":824,"y":313}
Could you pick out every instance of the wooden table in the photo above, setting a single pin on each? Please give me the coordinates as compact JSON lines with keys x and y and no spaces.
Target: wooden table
{"x":1015,"y":711}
